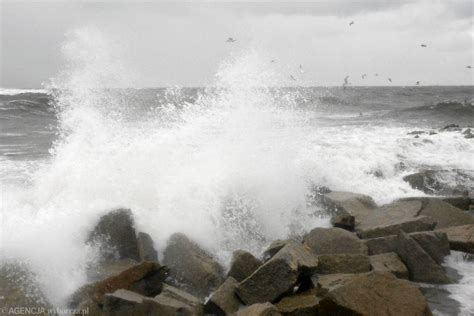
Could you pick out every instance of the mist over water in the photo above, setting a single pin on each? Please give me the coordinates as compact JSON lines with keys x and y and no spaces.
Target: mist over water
{"x":232,"y":167}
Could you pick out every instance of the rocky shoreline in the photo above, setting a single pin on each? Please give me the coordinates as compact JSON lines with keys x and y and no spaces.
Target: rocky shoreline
{"x":368,"y":263}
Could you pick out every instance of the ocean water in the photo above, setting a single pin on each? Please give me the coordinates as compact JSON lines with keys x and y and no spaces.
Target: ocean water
{"x":230,"y":164}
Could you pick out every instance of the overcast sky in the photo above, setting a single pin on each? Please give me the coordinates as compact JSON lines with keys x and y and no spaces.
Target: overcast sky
{"x":165,"y":43}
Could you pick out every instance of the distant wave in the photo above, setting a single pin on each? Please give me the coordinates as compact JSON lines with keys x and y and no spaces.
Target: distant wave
{"x":14,"y":91}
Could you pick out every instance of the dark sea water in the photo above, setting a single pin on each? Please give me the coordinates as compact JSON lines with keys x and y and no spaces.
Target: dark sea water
{"x":177,"y":156}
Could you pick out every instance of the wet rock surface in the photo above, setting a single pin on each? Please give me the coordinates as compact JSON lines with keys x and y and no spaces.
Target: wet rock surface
{"x":242,"y":265}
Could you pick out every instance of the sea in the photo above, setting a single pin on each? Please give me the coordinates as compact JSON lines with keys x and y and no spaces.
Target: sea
{"x":230,"y":164}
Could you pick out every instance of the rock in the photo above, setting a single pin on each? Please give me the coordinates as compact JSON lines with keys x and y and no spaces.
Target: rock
{"x":435,"y":244}
{"x":460,"y":238}
{"x":290,"y":264}
{"x":389,"y":262}
{"x":125,"y":303}
{"x":144,"y":278}
{"x":421,"y":266}
{"x":242,"y":265}
{"x":146,"y":249}
{"x":224,"y":301}
{"x":461,"y":202}
{"x":343,"y":220}
{"x":445,"y":214}
{"x":115,"y":236}
{"x":18,"y":288}
{"x":264,"y":309}
{"x":346,"y":204}
{"x":375,"y":293}
{"x":334,"y":241}
{"x":299,"y":305}
{"x":438,"y":182}
{"x":192,"y":267}
{"x":328,"y":282}
{"x":167,"y":306}
{"x":415,"y":224}
{"x":192,"y":303}
{"x":392,"y":213}
{"x":273,"y":248}
{"x":343,"y":263}
{"x":381,"y":245}
{"x":105,"y":269}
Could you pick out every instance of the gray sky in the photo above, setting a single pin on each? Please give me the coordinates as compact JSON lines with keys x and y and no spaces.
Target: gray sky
{"x":183,"y":43}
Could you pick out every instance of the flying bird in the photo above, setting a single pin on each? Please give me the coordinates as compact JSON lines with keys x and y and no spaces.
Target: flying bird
{"x":273,"y":60}
{"x":352,"y":22}
{"x":376,"y":75}
{"x":469,"y":67}
{"x":364,"y":75}
{"x":417,"y":83}
{"x":346,"y":82}
{"x":390,"y":79}
{"x":292,"y":78}
{"x":230,"y":40}
{"x":424,"y":45}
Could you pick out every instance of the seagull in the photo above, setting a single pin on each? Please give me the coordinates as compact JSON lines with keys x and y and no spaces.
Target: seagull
{"x":273,"y":60}
{"x":417,"y":83}
{"x":346,"y":82}
{"x":376,"y":75}
{"x":292,"y":78}
{"x":230,"y":40}
{"x":390,"y":79}
{"x":424,"y":45}
{"x":364,"y":75}
{"x":469,"y":67}
{"x":352,"y":22}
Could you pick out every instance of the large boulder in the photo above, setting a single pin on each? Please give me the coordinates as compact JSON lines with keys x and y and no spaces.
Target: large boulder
{"x":438,"y":182}
{"x":343,"y":263}
{"x":299,"y":305}
{"x":348,"y":208}
{"x":242,"y":265}
{"x":172,"y":294}
{"x":193,"y":268}
{"x":279,"y":275}
{"x":144,"y":278}
{"x":434,"y":243}
{"x":393,"y":227}
{"x":334,"y":241}
{"x":444,"y":214}
{"x":389,"y":262}
{"x":115,"y":236}
{"x":327,"y":282}
{"x":223,"y":301}
{"x":263,"y":309}
{"x":146,"y":248}
{"x":374,"y":293}
{"x":460,"y":238}
{"x":19,"y":288}
{"x":274,"y":247}
{"x":421,"y":266}
{"x":125,"y":303}
{"x":461,"y":202}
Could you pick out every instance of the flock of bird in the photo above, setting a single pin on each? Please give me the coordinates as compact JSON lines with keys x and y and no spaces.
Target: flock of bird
{"x":346,"y":79}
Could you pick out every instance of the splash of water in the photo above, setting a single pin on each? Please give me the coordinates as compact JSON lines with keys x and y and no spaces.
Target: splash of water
{"x":225,"y":170}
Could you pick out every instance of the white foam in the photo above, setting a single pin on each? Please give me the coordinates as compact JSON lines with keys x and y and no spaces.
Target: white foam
{"x":13,"y":91}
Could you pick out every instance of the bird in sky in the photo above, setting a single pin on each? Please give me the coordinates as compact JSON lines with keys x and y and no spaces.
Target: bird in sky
{"x":346,"y":82}
{"x":273,"y":60}
{"x":424,"y":45}
{"x":390,"y":79}
{"x":292,"y":78}
{"x":364,"y":75}
{"x":230,"y":40}
{"x":352,"y":22}
{"x":469,"y":67}
{"x":417,"y":83}
{"x":376,"y":75}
